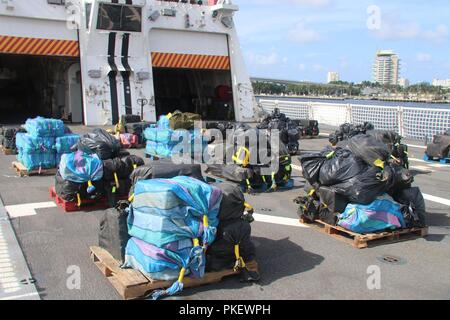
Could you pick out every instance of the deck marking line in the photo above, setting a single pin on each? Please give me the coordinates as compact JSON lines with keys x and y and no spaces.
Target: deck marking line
{"x":21,"y":296}
{"x":25,"y":210}
{"x":282,"y":221}
{"x":436,"y":199}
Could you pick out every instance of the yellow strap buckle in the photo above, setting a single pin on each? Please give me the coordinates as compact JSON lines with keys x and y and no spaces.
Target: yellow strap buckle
{"x":116,"y":179}
{"x":78,"y":200}
{"x":379,"y":163}
{"x":131,"y":198}
{"x":242,"y":157}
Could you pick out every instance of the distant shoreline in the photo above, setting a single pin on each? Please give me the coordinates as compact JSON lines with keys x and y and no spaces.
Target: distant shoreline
{"x":353,"y":98}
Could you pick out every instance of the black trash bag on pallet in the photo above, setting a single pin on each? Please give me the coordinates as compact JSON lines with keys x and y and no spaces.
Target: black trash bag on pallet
{"x":331,"y":200}
{"x":413,"y":210}
{"x":231,"y":172}
{"x":367,"y":186}
{"x":402,"y":178}
{"x":340,"y":168}
{"x":133,"y":161}
{"x":312,"y":164}
{"x":115,"y":193}
{"x":366,"y":147}
{"x":232,"y":206}
{"x":328,"y":216}
{"x":116,"y":166}
{"x":221,"y":254}
{"x":440,"y":148}
{"x":164,"y":170}
{"x":69,"y":191}
{"x":101,"y":143}
{"x":113,"y":234}
{"x":308,"y":207}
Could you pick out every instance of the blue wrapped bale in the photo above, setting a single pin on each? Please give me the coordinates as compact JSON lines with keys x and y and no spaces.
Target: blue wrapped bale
{"x":177,"y":218}
{"x":42,"y":127}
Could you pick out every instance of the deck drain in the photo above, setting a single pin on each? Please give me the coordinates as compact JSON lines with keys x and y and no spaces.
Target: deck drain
{"x":388,"y":259}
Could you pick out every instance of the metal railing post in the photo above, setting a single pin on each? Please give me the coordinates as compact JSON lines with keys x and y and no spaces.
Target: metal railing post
{"x":401,"y":129}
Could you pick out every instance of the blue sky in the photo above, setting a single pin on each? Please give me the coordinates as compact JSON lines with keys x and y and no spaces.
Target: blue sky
{"x":304,"y":39}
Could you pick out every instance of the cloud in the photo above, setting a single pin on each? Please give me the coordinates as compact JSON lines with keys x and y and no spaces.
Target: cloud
{"x":393,"y":29}
{"x":301,"y":34}
{"x":263,"y":59}
{"x":423,"y":57}
{"x":312,"y":3}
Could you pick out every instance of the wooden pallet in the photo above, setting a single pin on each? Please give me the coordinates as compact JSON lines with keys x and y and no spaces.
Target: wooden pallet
{"x":427,"y":158}
{"x":24,"y":172}
{"x":7,"y":152}
{"x":361,"y":241}
{"x":132,"y":284}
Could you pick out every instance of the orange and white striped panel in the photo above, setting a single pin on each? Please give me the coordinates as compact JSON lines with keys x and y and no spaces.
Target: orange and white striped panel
{"x":39,"y":47}
{"x":190,"y":61}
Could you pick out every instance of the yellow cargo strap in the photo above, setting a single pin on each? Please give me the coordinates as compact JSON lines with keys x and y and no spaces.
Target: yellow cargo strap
{"x":116,"y":179}
{"x":379,"y":163}
{"x":248,"y":206}
{"x":352,"y":211}
{"x":78,"y":200}
{"x":311,"y":193}
{"x":264,"y":179}
{"x":196,"y":242}
{"x":90,"y":185}
{"x":205,"y":222}
{"x":182,"y":275}
{"x":131,"y":198}
{"x":330,"y":155}
{"x":169,"y":116}
{"x":237,"y":158}
{"x":240,"y":263}
{"x":135,"y":166}
{"x":114,"y":189}
{"x":325,"y":205}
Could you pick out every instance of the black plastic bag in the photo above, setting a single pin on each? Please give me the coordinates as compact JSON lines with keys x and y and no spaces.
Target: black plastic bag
{"x":69,"y":191}
{"x":367,"y":186}
{"x":117,"y":167}
{"x":132,"y":161}
{"x":308,"y":208}
{"x":311,"y":164}
{"x":113,"y":234}
{"x":231,"y":172}
{"x":331,"y":200}
{"x":116,"y":192}
{"x":232,"y":206}
{"x":402,"y":178}
{"x":328,"y":216}
{"x":369,"y":149}
{"x":340,"y":168}
{"x":164,"y":170}
{"x":221,"y":254}
{"x":101,"y":143}
{"x":414,"y":210}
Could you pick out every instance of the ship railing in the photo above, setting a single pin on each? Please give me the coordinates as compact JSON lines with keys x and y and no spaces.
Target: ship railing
{"x":410,"y":122}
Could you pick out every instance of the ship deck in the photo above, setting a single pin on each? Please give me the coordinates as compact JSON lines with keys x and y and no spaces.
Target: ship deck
{"x":296,"y":261}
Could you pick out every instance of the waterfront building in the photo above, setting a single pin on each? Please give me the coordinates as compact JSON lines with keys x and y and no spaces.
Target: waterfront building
{"x":333,"y":77}
{"x":386,"y":69}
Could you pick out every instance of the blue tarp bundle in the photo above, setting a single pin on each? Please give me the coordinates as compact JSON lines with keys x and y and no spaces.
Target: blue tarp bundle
{"x":382,"y":214}
{"x":162,"y":141}
{"x":172,"y":221}
{"x":35,"y":152}
{"x":65,"y":144}
{"x":80,"y":167}
{"x":34,"y":161}
{"x":42,"y":127}
{"x":27,"y":143}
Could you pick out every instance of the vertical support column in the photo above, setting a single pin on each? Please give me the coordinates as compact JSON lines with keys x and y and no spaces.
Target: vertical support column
{"x":349,"y":113}
{"x":401,"y":129}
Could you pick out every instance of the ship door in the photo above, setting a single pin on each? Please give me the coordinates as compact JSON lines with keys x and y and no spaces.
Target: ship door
{"x":74,"y":103}
{"x":192,"y":73}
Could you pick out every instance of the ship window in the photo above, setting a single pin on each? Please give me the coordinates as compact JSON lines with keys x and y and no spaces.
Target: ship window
{"x":119,"y":17}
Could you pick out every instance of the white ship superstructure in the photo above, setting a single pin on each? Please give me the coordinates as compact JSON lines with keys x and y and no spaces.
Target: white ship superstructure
{"x":93,"y":61}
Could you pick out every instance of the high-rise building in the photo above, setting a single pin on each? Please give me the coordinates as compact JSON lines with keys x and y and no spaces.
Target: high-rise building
{"x":386,"y":69}
{"x":333,"y":77}
{"x":403,"y":82}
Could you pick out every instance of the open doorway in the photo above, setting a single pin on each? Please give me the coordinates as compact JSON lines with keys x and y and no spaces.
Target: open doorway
{"x":33,"y":86}
{"x":205,"y":92}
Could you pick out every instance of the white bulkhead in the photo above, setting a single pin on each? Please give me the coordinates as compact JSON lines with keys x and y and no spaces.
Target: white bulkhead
{"x":125,"y":57}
